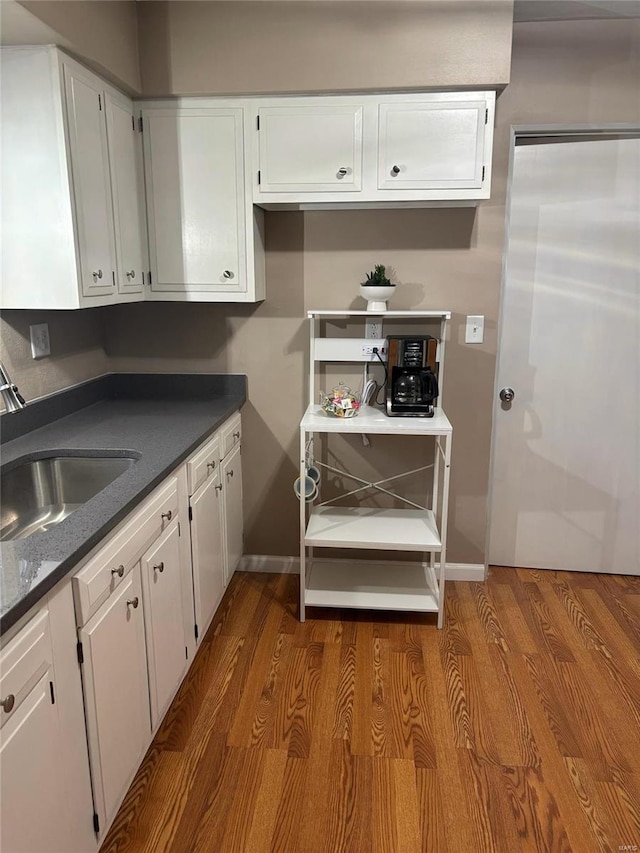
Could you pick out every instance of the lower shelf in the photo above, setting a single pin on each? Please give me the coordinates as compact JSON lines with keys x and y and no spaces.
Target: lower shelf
{"x":371,"y":585}
{"x":370,"y":527}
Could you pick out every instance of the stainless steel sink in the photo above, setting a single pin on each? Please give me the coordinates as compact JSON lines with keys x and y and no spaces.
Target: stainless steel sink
{"x":38,"y":494}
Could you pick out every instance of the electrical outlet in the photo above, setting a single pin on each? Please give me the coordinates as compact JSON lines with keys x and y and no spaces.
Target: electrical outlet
{"x":40,"y":343}
{"x":373,"y":329}
{"x":380,"y":345}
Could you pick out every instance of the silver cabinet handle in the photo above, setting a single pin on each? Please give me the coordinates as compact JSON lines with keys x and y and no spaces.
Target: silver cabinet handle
{"x":236,"y":434}
{"x":211,"y":465}
{"x":96,"y":274}
{"x":133,"y":602}
{"x":228,"y":274}
{"x":218,"y":488}
{"x":168,"y":515}
{"x":395,"y":171}
{"x":119,"y":571}
{"x":131,"y":274}
{"x":159,"y":568}
{"x":230,"y":473}
{"x":8,"y":703}
{"x":507,"y":395}
{"x":342,"y":172}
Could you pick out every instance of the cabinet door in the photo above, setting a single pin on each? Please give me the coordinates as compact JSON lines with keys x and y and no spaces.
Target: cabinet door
{"x":431,"y":144}
{"x":116,"y":693}
{"x":164,"y":625}
{"x":195,"y":191}
{"x":127,"y":184}
{"x":233,"y":519}
{"x":311,"y":149}
{"x":206,"y":549}
{"x":91,"y":181}
{"x":35,"y":813}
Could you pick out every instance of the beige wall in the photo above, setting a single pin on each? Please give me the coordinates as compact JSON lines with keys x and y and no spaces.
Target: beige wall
{"x":77,"y":348}
{"x":102,"y":32}
{"x":257,"y":47}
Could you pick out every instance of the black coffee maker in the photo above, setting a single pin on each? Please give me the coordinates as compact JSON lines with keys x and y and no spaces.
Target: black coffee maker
{"x":412,"y":386}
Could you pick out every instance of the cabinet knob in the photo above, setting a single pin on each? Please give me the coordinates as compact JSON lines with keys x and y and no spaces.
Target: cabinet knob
{"x":342,"y":171}
{"x":8,"y":703}
{"x":119,"y":571}
{"x":211,"y":465}
{"x":168,"y":515}
{"x":230,"y":473}
{"x":218,"y":488}
{"x":159,"y":568}
{"x":133,"y":602}
{"x":131,"y":274}
{"x":228,"y":274}
{"x":395,"y":171}
{"x":96,"y":274}
{"x":236,"y":434}
{"x":507,"y":395}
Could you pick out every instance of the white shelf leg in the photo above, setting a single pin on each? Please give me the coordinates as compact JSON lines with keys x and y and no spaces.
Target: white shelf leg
{"x":303,"y":525}
{"x":443,"y":526}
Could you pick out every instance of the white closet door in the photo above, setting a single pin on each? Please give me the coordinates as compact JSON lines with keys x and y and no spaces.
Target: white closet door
{"x":566,"y":475}
{"x":91,"y":181}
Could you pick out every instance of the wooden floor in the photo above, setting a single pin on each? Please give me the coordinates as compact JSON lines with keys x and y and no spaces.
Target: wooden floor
{"x":516,"y":727}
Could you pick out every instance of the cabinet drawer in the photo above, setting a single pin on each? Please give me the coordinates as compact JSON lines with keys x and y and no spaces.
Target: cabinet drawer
{"x":23,"y":662}
{"x":230,"y":435}
{"x":203,"y":463}
{"x":104,"y":572}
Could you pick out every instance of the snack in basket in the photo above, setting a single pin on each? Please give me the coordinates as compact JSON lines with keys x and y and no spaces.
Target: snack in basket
{"x":340,"y":403}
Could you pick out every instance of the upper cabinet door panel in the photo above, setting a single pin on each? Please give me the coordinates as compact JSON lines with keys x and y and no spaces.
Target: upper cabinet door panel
{"x":431,"y":145}
{"x":311,"y":149}
{"x":91,"y":181}
{"x":195,"y":192}
{"x":125,"y":160}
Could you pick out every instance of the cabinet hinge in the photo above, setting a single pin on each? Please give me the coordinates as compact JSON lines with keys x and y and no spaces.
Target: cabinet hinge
{"x":80,"y":652}
{"x":258,"y":175}
{"x":190,"y":513}
{"x":113,"y":276}
{"x":53,"y":696}
{"x":179,"y":533}
{"x":483,"y":173}
{"x":133,"y":123}
{"x":186,"y":653}
{"x":195,"y":631}
{"x":140,"y":125}
{"x":486,"y":115}
{"x":150,"y":282}
{"x":96,"y":823}
{"x":100,"y":102}
{"x":258,"y":121}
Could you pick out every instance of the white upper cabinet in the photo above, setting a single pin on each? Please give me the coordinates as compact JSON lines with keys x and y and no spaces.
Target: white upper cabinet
{"x":373,"y":150}
{"x":310,"y":148}
{"x":432,"y":144}
{"x":201,"y":225}
{"x":127,"y":182}
{"x":91,"y":181}
{"x":65,"y":184}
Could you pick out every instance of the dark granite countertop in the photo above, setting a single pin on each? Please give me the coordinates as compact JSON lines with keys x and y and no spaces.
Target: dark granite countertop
{"x":161,"y":419}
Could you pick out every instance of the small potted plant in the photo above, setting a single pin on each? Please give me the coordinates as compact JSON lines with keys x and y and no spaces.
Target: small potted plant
{"x":377,"y":289}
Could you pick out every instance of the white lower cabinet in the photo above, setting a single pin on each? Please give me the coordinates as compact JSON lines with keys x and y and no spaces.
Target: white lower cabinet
{"x":164,"y":626}
{"x":206,"y":550}
{"x":31,"y":747}
{"x":116,"y":693}
{"x":232,"y":511}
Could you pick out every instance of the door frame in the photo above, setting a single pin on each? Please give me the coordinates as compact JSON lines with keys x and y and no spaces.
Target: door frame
{"x":525,"y":131}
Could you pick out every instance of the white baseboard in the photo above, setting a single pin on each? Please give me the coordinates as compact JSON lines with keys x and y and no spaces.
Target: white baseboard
{"x":291,"y":565}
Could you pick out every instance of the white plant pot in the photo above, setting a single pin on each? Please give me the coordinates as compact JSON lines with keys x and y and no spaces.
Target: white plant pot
{"x":376,"y":295}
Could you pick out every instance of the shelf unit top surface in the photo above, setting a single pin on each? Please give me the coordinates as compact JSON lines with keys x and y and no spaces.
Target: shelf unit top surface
{"x":372,"y":527}
{"x":374,"y":421}
{"x":346,"y":313}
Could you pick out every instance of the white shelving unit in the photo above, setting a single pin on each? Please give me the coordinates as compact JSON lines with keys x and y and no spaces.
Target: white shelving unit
{"x":373,"y":584}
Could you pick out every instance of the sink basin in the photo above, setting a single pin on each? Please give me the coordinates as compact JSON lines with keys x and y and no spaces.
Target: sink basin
{"x":38,"y":494}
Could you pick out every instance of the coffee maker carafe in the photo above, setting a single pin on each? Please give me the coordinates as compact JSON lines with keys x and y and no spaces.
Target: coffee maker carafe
{"x":412,"y":386}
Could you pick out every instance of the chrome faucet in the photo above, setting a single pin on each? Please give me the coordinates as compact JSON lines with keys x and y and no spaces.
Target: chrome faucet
{"x":13,"y":399}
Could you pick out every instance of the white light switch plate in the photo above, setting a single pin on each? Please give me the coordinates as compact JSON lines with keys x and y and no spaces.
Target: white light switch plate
{"x":475,"y":329}
{"x":40,"y":343}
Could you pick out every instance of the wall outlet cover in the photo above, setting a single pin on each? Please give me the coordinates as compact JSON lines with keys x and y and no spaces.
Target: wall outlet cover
{"x":474,"y":333}
{"x":40,"y":343}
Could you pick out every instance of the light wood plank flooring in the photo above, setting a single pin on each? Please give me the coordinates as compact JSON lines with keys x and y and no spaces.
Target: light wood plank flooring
{"x":516,"y":727}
